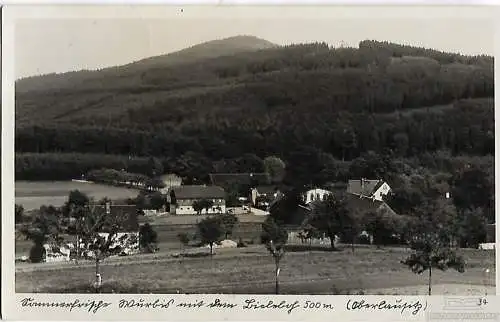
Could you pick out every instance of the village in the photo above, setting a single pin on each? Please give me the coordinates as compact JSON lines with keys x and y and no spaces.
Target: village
{"x":198,"y":201}
{"x":237,"y":164}
{"x":229,"y":213}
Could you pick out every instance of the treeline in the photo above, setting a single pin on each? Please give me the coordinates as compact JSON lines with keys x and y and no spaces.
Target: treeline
{"x":123,"y":178}
{"x":56,"y":166}
{"x":465,"y":127}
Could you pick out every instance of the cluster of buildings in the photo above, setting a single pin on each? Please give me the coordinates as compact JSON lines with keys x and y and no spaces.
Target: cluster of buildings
{"x":125,"y":242}
{"x":255,"y":191}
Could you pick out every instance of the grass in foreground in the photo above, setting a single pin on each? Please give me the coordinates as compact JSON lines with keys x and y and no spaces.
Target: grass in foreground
{"x":250,"y":271}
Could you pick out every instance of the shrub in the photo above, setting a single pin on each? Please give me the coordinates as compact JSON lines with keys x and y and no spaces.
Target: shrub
{"x":183,"y":238}
{"x":37,"y":253}
{"x":241,"y":244}
{"x":364,"y":240}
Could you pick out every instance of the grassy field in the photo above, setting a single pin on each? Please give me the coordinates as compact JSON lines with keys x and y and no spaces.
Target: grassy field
{"x":168,"y":227}
{"x":32,"y":195}
{"x":251,"y":270}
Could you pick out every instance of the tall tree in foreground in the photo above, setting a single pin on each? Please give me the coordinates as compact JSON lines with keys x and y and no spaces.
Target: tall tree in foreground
{"x":210,"y":231}
{"x":274,"y":237}
{"x":98,"y":229}
{"x":430,"y":252}
{"x":331,"y":216}
{"x":228,"y":221}
{"x":148,"y":238}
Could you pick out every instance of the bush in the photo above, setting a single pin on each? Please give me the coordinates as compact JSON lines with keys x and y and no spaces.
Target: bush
{"x":364,"y":240}
{"x":241,"y":244}
{"x":37,"y":253}
{"x":150,"y":248}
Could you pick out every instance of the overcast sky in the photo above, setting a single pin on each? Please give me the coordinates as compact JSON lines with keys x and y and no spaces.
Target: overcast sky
{"x":59,"y":45}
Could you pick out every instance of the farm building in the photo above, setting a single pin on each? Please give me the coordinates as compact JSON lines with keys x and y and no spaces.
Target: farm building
{"x":373,"y":189}
{"x":184,"y":200}
{"x":315,"y":194}
{"x":56,"y":252}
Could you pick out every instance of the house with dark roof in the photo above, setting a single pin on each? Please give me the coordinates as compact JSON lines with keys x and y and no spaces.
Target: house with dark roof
{"x":372,"y":189}
{"x":183,"y":198}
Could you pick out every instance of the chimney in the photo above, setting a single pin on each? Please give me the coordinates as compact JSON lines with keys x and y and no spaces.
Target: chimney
{"x":362,"y":183}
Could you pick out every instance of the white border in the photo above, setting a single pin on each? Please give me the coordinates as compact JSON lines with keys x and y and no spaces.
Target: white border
{"x":10,"y":307}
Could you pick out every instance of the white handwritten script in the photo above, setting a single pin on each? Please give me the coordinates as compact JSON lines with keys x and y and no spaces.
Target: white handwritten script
{"x":287,"y":306}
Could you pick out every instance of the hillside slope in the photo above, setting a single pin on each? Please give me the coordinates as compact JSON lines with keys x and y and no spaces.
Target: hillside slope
{"x":210,"y":49}
{"x":376,"y":78}
{"x":319,"y":108}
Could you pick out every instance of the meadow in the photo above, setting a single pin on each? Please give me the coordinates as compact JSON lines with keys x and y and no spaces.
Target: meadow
{"x":33,"y":194}
{"x":250,"y":270}
{"x":169,"y":227}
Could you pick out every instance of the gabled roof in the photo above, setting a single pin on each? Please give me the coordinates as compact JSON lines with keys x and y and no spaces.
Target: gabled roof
{"x":227,"y":179}
{"x":317,"y":190}
{"x":124,"y":215}
{"x":363,"y":187}
{"x":198,"y":192}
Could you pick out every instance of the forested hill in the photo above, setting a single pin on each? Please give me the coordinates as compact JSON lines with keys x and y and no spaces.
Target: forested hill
{"x":210,"y":49}
{"x":323,"y":110}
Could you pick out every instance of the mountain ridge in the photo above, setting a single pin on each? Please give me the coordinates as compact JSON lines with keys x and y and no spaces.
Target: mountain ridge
{"x":205,"y":50}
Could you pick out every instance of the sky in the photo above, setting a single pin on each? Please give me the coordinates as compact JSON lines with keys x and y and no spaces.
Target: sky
{"x":62,"y":44}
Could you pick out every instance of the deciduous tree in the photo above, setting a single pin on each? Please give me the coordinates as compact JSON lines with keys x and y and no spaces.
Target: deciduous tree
{"x":275,"y":237}
{"x":210,"y":231}
{"x":429,"y":252}
{"x":228,"y":222}
{"x":331,"y":216}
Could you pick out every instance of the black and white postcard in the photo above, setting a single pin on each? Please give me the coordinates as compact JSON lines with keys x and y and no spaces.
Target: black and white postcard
{"x":247,"y":163}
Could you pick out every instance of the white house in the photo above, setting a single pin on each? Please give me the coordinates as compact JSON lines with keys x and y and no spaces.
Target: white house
{"x":373,"y":189}
{"x":317,"y":194}
{"x":183,"y":199}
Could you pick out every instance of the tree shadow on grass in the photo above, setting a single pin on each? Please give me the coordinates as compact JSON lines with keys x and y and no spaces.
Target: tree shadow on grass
{"x":307,"y":248}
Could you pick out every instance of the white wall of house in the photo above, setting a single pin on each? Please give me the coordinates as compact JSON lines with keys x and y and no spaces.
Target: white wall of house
{"x":189,"y":210}
{"x":315,"y":194}
{"x":382,"y":191}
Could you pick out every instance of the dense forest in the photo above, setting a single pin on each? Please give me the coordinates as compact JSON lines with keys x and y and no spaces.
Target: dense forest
{"x":382,"y":110}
